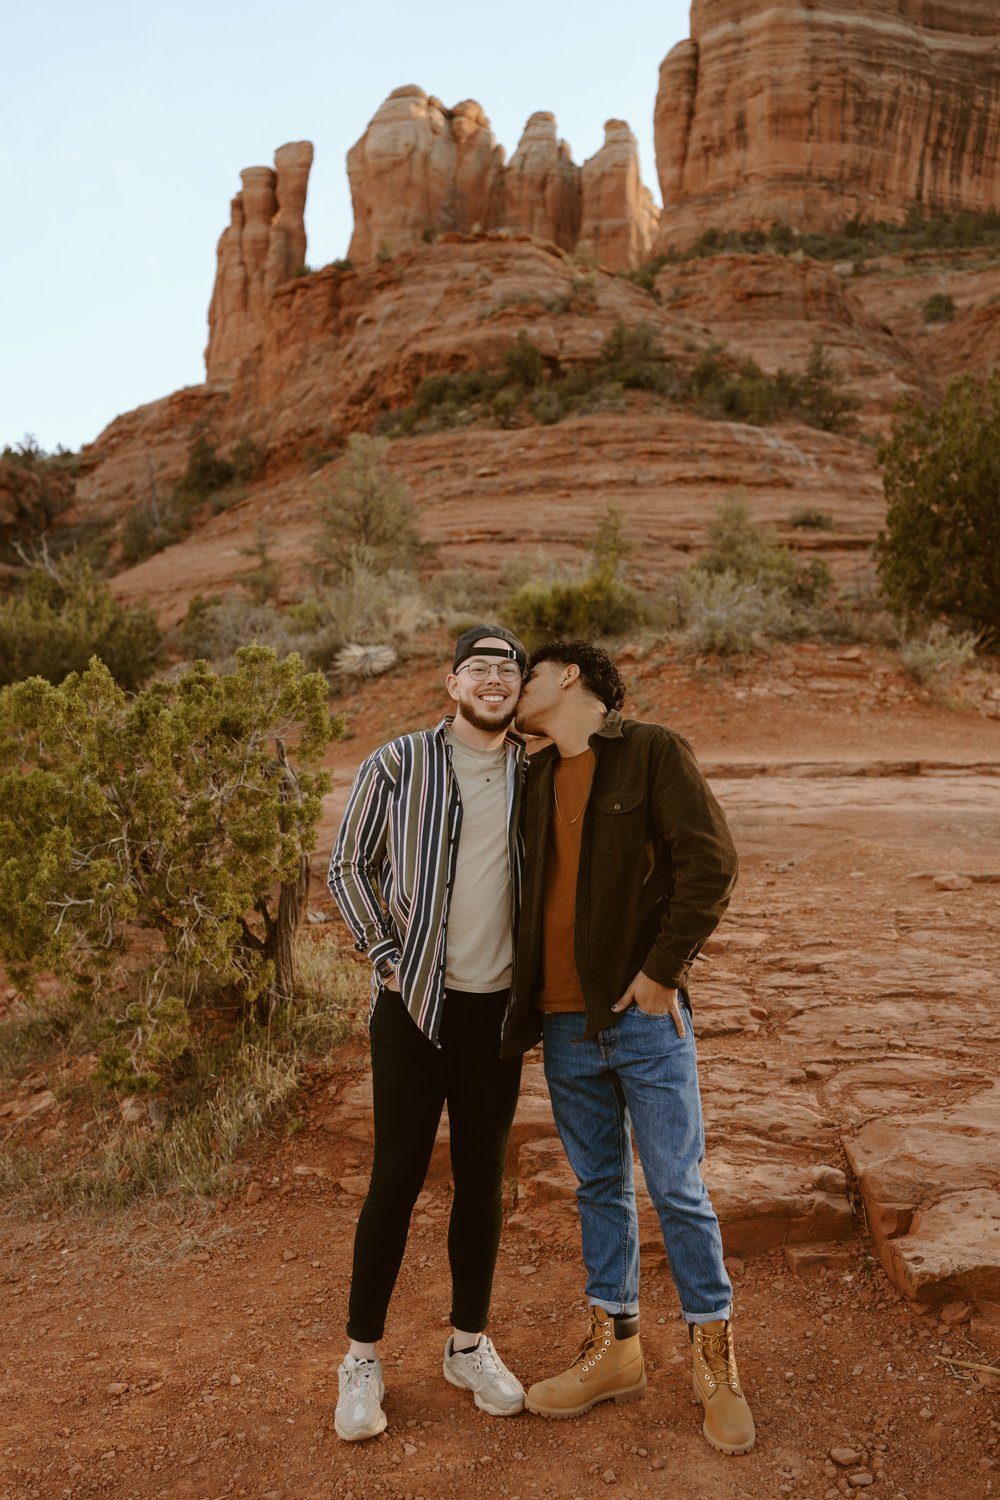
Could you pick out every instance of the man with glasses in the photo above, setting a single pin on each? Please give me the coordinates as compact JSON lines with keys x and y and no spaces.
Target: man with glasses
{"x":426,"y":869}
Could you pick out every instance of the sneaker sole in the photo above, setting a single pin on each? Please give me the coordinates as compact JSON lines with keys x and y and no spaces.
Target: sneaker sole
{"x":492,"y":1411}
{"x":732,"y":1450}
{"x":368,"y":1432}
{"x":621,"y":1398}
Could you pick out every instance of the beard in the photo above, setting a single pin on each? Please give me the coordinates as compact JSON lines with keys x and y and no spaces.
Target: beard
{"x":502,"y":715}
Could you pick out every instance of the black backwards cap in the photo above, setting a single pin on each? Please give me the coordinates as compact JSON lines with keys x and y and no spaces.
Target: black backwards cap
{"x":467,"y":645}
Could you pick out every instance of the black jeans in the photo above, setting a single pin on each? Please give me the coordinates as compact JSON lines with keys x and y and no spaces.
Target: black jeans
{"x":411,"y":1082}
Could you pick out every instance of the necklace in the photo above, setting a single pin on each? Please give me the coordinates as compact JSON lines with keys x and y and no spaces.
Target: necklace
{"x":569,"y":821}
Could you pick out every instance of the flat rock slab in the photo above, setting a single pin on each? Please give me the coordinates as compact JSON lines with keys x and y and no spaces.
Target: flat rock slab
{"x":936,"y":1172}
{"x":761,"y":1204}
{"x":952,"y":1250}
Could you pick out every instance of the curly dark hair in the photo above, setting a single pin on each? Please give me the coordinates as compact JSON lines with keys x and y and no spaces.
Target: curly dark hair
{"x":598,"y":672}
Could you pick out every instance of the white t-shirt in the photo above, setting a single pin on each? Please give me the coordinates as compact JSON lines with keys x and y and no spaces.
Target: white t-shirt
{"x":479,"y":954}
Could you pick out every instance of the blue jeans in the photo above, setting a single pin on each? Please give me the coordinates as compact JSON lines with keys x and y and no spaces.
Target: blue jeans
{"x":637,"y":1075}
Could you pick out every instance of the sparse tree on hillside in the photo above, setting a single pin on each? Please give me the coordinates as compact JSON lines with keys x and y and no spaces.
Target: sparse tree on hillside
{"x":368,"y":518}
{"x":940,"y":552}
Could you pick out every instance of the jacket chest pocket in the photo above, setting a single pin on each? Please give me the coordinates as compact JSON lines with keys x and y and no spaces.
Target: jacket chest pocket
{"x":619,"y":822}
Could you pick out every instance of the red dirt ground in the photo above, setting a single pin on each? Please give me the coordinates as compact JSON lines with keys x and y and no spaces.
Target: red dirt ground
{"x":154,"y":1357}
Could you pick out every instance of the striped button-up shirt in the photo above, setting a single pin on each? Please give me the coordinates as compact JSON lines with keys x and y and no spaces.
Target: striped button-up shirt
{"x":393,"y":863}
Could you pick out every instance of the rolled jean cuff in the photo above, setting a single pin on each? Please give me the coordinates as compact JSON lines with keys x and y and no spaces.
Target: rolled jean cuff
{"x":712,"y":1317}
{"x":615,"y":1309}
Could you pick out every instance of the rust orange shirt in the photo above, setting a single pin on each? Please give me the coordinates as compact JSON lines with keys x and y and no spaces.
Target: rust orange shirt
{"x":560,"y":982}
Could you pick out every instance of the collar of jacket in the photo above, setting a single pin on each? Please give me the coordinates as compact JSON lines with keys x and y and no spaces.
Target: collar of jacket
{"x":510,"y":738}
{"x":611,"y":729}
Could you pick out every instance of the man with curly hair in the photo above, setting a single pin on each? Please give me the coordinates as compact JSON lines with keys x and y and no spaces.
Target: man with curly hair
{"x":629,"y":866}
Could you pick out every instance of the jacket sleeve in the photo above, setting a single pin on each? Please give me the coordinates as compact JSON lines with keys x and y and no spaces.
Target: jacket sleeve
{"x":693,"y":825}
{"x":358,"y":855}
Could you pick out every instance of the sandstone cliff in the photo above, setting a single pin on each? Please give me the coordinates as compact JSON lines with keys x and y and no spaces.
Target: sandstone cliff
{"x":619,"y":215}
{"x":814,"y":115}
{"x":263,"y":246}
{"x":542,"y":185}
{"x":421,"y":168}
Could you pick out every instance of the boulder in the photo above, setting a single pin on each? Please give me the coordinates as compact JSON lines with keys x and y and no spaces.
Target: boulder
{"x":931,"y":1185}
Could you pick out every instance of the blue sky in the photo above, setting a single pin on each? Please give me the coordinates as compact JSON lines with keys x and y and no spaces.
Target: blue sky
{"x":124,"y":126}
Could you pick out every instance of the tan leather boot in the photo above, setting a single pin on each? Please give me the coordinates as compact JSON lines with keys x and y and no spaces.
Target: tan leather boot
{"x":608,"y":1367}
{"x":728,"y":1421}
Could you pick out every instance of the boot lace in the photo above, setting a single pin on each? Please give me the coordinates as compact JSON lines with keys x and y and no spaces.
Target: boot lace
{"x":593,"y":1345}
{"x":719,"y":1358}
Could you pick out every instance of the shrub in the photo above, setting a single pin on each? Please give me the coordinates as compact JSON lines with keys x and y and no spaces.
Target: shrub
{"x":545,"y":406}
{"x":261,"y":581}
{"x":608,"y":545}
{"x":939,"y":555}
{"x":859,"y":239}
{"x":178,"y":812}
{"x":154,"y":522}
{"x":936,"y":656}
{"x":727,"y":615}
{"x":810,"y":517}
{"x":740,"y":392}
{"x":752,"y":555}
{"x":214,"y":629}
{"x":599,"y":604}
{"x":817,"y":397}
{"x":35,"y":488}
{"x":363,"y":608}
{"x":61,"y":615}
{"x":225,"y":1083}
{"x":522,"y":364}
{"x":939,"y":308}
{"x":148,"y":528}
{"x":506,"y":406}
{"x":633,"y":357}
{"x":745,"y":588}
{"x":368,"y":517}
{"x":744,"y":393}
{"x":205,"y":473}
{"x":248,"y":458}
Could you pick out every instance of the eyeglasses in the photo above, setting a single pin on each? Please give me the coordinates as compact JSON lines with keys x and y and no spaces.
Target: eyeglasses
{"x":479,"y":671}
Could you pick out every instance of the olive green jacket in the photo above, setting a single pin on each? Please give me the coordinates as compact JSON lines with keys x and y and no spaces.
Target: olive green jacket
{"x":657,"y":869}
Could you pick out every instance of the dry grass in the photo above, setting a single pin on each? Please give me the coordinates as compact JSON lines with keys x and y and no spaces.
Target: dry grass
{"x":182,"y":1145}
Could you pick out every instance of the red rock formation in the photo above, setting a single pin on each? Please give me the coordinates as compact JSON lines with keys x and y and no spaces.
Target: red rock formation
{"x":542,"y":185}
{"x":619,"y":215}
{"x":814,"y":115}
{"x":421,"y":167}
{"x":264,"y":245}
{"x":775,"y":309}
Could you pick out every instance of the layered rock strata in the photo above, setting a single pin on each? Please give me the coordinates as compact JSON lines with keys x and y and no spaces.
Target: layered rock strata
{"x":816,"y":114}
{"x":264,"y":245}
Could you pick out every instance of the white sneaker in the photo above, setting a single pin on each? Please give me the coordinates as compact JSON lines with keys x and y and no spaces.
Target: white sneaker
{"x":482,"y":1371}
{"x":359,"y":1411}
